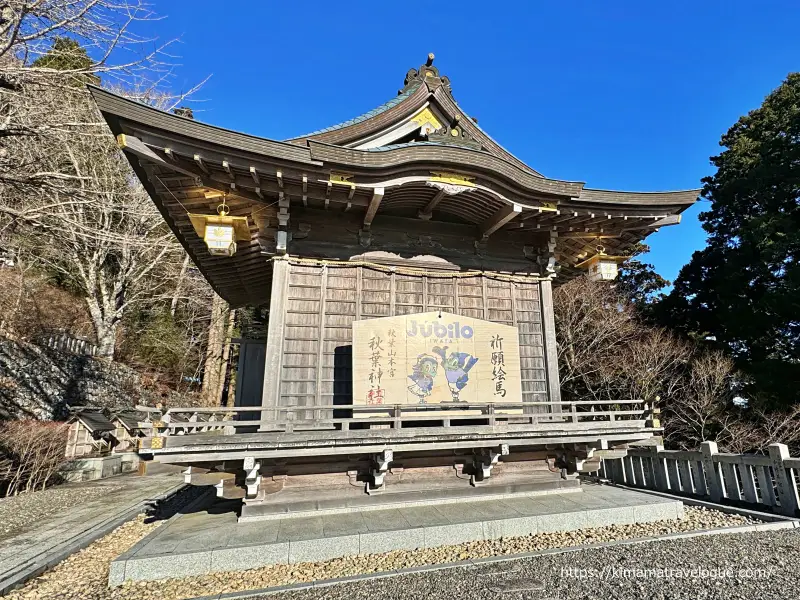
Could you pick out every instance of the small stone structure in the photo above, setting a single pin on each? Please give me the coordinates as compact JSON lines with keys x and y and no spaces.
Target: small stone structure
{"x":770,"y":482}
{"x":100,"y":467}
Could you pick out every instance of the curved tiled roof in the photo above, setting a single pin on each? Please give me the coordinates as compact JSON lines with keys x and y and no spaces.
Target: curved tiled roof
{"x":367,"y":115}
{"x":178,"y":157}
{"x":405,"y":154}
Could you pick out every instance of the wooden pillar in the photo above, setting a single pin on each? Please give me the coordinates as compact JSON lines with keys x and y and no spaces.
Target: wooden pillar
{"x":550,"y":348}
{"x":273,"y":360}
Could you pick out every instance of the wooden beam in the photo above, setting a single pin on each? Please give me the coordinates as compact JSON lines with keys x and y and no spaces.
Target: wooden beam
{"x":305,"y":190}
{"x":199,"y":160}
{"x":136,"y":147}
{"x":227,"y":168}
{"x":590,"y":236}
{"x":372,"y":209}
{"x":279,"y":175}
{"x":254,"y":175}
{"x":328,"y":194}
{"x":425,"y":213}
{"x":503,"y":216}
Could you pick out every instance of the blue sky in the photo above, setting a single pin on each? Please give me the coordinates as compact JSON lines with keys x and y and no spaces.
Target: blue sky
{"x":624,"y":95}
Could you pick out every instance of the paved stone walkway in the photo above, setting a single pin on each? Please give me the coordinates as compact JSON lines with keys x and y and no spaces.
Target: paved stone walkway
{"x":38,"y":542}
{"x":210,"y":541}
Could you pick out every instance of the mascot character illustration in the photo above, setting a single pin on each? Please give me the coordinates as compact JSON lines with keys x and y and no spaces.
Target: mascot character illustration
{"x":422,"y":375}
{"x":456,"y":367}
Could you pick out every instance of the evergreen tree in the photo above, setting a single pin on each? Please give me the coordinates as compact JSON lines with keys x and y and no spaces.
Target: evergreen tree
{"x":638,"y":281}
{"x":742,"y":292}
{"x":67,"y":54}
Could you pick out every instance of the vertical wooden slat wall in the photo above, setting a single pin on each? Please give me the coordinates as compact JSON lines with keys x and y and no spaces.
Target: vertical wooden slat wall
{"x":323,"y":302}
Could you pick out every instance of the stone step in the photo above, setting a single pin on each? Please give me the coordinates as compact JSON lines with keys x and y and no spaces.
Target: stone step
{"x":306,"y":503}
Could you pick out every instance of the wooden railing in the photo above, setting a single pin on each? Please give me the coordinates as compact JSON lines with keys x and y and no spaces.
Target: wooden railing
{"x":288,"y":419}
{"x":764,"y":481}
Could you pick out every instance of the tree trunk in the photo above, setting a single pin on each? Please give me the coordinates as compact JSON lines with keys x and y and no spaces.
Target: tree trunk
{"x":212,"y":368}
{"x":106,"y":341}
{"x":226,"y":352}
{"x":179,"y":286}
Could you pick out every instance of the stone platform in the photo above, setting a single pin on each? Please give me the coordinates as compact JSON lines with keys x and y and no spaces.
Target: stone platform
{"x":211,"y":540}
{"x":310,"y":502}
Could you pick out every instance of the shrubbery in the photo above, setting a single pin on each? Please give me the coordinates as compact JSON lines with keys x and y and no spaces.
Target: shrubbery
{"x":31,"y":455}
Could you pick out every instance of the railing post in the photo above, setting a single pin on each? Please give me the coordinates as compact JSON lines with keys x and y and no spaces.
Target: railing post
{"x":573,"y":412}
{"x":784,"y":482}
{"x":289,"y":427}
{"x":659,"y":469}
{"x":713,"y":482}
{"x":748,"y":482}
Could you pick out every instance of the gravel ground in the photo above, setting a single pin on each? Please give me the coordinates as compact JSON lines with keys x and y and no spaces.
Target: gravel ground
{"x":19,"y":513}
{"x":85,"y":574}
{"x":724,"y":567}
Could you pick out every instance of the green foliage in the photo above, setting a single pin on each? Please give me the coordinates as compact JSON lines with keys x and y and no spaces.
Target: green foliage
{"x":639,"y":282}
{"x":67,"y":54}
{"x":742,"y":292}
{"x":157,"y":340}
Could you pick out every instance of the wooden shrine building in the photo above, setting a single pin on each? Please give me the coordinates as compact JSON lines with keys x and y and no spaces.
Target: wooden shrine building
{"x":393,"y":251}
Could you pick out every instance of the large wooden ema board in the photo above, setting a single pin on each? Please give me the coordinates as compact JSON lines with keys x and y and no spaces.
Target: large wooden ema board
{"x":434,"y":358}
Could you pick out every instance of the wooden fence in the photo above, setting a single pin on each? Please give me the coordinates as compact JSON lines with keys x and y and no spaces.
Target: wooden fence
{"x":768,"y":482}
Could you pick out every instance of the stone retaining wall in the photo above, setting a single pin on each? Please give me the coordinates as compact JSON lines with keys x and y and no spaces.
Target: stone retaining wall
{"x":40,"y":383}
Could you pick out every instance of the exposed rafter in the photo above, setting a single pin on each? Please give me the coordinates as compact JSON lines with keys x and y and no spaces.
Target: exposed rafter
{"x":427,"y":212}
{"x":372,"y":209}
{"x":503,"y":216}
{"x":227,"y":168}
{"x":199,"y":160}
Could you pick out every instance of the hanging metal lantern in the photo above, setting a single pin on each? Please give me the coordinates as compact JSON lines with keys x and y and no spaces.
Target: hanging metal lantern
{"x":220,"y":232}
{"x":601,"y":266}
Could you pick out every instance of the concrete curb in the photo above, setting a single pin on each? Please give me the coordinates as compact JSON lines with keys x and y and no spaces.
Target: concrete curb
{"x":50,"y":558}
{"x":788,"y":524}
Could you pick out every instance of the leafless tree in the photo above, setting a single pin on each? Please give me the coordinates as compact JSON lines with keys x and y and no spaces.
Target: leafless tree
{"x":67,"y":195}
{"x":781,"y":427}
{"x":702,"y":411}
{"x":606,"y":352}
{"x":592,"y":324}
{"x":34,"y":451}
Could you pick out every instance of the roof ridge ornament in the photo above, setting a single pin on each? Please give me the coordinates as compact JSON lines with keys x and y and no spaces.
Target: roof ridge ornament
{"x":451,"y":183}
{"x":427,"y":74}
